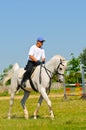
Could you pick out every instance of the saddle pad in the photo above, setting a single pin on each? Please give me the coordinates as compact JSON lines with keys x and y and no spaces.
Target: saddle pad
{"x":21,"y":72}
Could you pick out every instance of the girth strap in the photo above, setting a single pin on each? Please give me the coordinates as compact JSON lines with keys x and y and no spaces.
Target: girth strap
{"x":32,"y":85}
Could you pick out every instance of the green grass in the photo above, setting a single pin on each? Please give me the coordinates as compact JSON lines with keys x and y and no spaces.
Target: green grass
{"x":69,"y":114}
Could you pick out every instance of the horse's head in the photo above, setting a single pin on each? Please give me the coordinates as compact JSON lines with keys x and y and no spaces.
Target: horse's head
{"x":60,"y":69}
{"x":57,"y":65}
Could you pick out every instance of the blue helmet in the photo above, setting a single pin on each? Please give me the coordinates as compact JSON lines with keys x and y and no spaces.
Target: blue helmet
{"x":40,"y":39}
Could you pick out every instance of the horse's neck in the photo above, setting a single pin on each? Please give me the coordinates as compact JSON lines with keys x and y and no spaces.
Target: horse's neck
{"x":50,"y":66}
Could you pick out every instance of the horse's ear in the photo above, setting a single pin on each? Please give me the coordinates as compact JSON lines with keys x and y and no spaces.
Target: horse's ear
{"x":60,"y":60}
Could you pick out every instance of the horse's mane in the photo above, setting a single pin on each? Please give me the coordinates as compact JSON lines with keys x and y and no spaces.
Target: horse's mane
{"x":54,"y":58}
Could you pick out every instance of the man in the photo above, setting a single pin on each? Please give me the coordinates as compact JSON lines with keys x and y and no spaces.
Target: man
{"x":36,"y":56}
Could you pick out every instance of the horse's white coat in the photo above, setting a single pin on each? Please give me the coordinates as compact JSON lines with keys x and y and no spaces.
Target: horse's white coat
{"x":42,"y":88}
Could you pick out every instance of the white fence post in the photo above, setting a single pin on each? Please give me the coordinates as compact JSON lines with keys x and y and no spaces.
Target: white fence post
{"x":83,"y":69}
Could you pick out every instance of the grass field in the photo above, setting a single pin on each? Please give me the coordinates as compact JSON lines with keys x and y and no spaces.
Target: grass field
{"x":69,"y":114}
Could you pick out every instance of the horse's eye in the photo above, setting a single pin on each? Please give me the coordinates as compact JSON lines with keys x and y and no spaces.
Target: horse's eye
{"x":60,"y":68}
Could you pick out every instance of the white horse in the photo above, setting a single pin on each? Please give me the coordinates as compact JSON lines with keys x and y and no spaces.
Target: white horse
{"x":41,"y":79}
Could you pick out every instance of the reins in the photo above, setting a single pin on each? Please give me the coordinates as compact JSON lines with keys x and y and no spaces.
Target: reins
{"x":59,"y":66}
{"x":47,"y":70}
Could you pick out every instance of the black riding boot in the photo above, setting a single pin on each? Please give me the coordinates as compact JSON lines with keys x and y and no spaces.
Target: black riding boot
{"x":27,"y":74}
{"x":24,"y":79}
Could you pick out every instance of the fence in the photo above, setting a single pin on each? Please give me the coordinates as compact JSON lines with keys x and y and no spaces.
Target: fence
{"x":77,"y":88}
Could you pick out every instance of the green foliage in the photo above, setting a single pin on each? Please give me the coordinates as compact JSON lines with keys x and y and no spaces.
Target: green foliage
{"x":83,"y":57}
{"x":54,"y":79}
{"x":73,"y":78}
{"x":73,"y":64}
{"x":8,"y":82}
{"x":1,"y":83}
{"x":72,"y":74}
{"x":7,"y":69}
{"x":4,"y":94}
{"x":2,"y":76}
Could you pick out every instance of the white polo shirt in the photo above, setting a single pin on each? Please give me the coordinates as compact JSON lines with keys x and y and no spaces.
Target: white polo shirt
{"x":38,"y":53}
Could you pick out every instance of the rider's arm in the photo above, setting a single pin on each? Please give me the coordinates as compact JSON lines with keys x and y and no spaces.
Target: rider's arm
{"x":32,"y":58}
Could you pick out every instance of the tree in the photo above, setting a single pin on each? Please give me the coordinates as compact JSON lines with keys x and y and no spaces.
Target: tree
{"x":5,"y":71}
{"x":74,"y":64}
{"x":73,"y":75}
{"x":82,"y":57}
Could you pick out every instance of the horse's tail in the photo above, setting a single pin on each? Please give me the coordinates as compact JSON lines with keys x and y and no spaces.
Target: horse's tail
{"x":10,"y":73}
{"x":15,"y":67}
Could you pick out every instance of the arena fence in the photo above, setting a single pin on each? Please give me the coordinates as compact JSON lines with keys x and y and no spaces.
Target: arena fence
{"x":77,"y":89}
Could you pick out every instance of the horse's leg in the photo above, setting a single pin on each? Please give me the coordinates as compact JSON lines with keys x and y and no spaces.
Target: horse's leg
{"x":38,"y":106}
{"x":46,"y":98}
{"x":11,"y":104}
{"x":13,"y":90}
{"x":23,"y":101}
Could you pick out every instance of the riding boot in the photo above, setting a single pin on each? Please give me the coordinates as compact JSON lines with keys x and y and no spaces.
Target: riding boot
{"x":24,"y":79}
{"x":27,"y":74}
{"x":23,"y":82}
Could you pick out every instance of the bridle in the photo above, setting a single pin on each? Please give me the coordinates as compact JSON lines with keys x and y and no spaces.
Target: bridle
{"x":49,"y":73}
{"x":58,"y":67}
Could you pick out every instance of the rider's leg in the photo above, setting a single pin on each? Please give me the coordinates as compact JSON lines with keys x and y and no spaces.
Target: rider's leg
{"x":25,"y":77}
{"x":27,"y":74}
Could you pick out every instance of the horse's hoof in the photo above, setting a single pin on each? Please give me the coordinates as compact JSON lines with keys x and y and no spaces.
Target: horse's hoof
{"x":35,"y":117}
{"x":26,"y":114}
{"x":9,"y":118}
{"x":52,"y":118}
{"x":26,"y":118}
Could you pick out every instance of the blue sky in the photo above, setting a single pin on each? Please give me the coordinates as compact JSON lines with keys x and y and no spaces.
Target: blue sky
{"x":61,"y":22}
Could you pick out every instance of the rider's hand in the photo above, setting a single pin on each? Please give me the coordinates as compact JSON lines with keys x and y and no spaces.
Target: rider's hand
{"x":43,"y":62}
{"x":38,"y":62}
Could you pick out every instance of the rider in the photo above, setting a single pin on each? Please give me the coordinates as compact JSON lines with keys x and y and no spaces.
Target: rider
{"x":36,"y":56}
